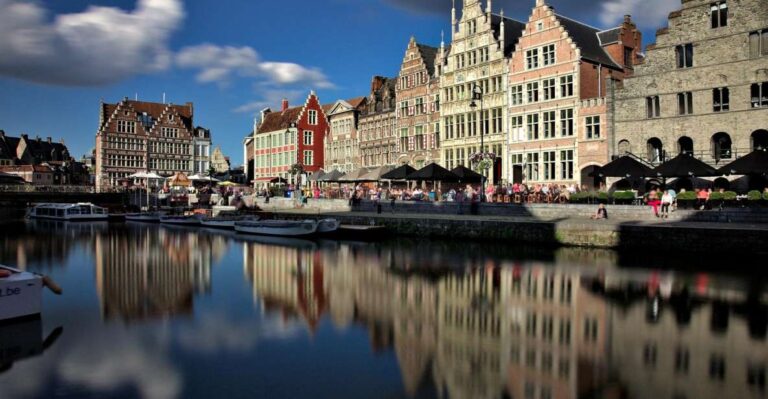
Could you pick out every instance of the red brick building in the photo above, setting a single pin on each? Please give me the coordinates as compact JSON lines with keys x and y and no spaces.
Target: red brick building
{"x":289,"y":137}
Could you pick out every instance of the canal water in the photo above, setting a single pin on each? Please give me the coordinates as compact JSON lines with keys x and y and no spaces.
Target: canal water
{"x":161,"y":313}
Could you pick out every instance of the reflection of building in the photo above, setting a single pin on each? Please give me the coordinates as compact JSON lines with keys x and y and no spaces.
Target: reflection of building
{"x":703,"y":87}
{"x":287,"y":279}
{"x":151,"y":272}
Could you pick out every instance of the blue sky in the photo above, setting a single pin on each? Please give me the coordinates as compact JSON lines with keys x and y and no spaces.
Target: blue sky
{"x":59,"y":58}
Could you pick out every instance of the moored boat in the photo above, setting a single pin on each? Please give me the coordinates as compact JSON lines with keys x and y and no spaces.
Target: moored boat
{"x":20,"y":293}
{"x":226,"y":221}
{"x":280,"y":228}
{"x":150,"y":217}
{"x":184,"y":220}
{"x":83,"y":211}
{"x":327,"y":226}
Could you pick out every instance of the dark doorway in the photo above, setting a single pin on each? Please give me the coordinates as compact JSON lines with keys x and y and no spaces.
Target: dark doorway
{"x":685,"y":145}
{"x":497,"y":170}
{"x":591,"y":178}
{"x":760,"y":140}
{"x":517,"y":174}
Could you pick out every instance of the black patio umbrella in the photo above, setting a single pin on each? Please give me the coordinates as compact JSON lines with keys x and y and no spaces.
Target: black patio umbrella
{"x":625,"y":166}
{"x":467,"y":175}
{"x":331,"y":176}
{"x":399,"y":173}
{"x":754,"y":163}
{"x":355,"y":176}
{"x":684,"y":165}
{"x":317,"y":175}
{"x":433,"y":172}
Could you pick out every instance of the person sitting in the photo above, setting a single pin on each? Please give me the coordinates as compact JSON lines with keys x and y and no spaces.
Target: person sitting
{"x":701,"y":198}
{"x":666,"y":202}
{"x":601,"y":213}
{"x":653,"y":201}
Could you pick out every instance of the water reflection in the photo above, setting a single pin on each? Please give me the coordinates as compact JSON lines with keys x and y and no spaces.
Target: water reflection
{"x":458,"y":320}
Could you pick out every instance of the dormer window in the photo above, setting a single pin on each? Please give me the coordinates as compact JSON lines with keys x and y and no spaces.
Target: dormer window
{"x":170,"y":118}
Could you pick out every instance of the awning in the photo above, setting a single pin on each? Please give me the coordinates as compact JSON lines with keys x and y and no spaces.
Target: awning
{"x":754,"y":163}
{"x":433,"y":172}
{"x":684,"y":165}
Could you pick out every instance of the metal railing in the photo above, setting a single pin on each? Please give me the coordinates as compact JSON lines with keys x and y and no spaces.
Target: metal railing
{"x":28,"y":188}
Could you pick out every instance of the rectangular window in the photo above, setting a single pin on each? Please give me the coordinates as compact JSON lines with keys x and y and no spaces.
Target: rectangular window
{"x":517,"y":129}
{"x":533,"y":92}
{"x":720,"y":99}
{"x":719,"y":14}
{"x":549,"y":165}
{"x":593,"y":127}
{"x":549,"y":124}
{"x":566,"y":86}
{"x":682,"y":360}
{"x":759,"y":95}
{"x":684,"y":55}
{"x":472,"y":122}
{"x":498,"y":120}
{"x":533,"y":126}
{"x":126,"y":126}
{"x":532,"y":59}
{"x":685,"y":103}
{"x":652,"y":108}
{"x":566,"y":122}
{"x":566,"y":166}
{"x":548,"y":53}
{"x":717,"y":367}
{"x":403,"y":108}
{"x":308,"y":158}
{"x":420,"y":106}
{"x":313,"y":117}
{"x":532,"y":173}
{"x":549,"y":89}
{"x":516,"y":95}
{"x":449,"y":127}
{"x":307,"y":137}
{"x":628,"y":57}
{"x":758,"y":43}
{"x":484,"y":54}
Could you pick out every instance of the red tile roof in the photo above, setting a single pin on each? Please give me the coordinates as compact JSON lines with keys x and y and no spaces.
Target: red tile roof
{"x":279,"y":120}
{"x":154,"y":110}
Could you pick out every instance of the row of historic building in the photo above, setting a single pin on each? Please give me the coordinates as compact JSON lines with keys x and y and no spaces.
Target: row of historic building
{"x":38,"y":161}
{"x":550,"y":98}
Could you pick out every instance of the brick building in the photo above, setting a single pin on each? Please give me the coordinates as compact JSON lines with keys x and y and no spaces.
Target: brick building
{"x":289,"y":137}
{"x":559,"y":77}
{"x":378,"y":142}
{"x":481,"y":44}
{"x":139,"y":136}
{"x":702,"y":88}
{"x":418,"y":105}
{"x":342,"y":144}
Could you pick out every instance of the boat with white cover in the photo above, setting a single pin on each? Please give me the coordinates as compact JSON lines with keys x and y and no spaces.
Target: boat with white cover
{"x":20,"y":293}
{"x":327,"y":226}
{"x":150,"y":217}
{"x":280,"y":228}
{"x":226,"y":220}
{"x":71,"y":212}
{"x":182,"y":220}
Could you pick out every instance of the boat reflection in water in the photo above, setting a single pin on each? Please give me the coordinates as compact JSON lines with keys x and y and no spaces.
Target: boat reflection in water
{"x":22,"y":339}
{"x":470,"y":326}
{"x":181,"y":312}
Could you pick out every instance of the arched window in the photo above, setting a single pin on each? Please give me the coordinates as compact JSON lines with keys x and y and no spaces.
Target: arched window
{"x":760,"y":140}
{"x":623,"y":147}
{"x":721,"y":146}
{"x":655,"y":150}
{"x":685,"y":145}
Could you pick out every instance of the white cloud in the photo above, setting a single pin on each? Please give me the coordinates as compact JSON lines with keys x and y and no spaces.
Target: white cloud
{"x":272,"y":98}
{"x":220,"y":64}
{"x":645,"y":13}
{"x":97,"y":46}
{"x":216,"y":333}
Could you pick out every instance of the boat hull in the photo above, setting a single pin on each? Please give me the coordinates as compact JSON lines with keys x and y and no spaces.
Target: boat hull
{"x":142,"y":218}
{"x":218,"y":223}
{"x":327,"y":226}
{"x":181,"y":221}
{"x":278,"y":228}
{"x":20,"y":295}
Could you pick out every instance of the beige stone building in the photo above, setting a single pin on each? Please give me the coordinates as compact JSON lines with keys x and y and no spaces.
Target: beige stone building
{"x":559,"y":76}
{"x":219,"y":162}
{"x":703,"y":87}
{"x":481,"y":44}
{"x":378,"y":142}
{"x":418,"y":105}
{"x":342,"y":144}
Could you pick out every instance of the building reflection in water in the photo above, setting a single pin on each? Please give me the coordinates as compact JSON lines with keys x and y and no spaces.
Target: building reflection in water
{"x":472,"y":327}
{"x":148,"y":272}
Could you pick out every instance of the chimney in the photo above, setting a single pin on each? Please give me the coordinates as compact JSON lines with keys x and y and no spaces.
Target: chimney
{"x":284,"y":106}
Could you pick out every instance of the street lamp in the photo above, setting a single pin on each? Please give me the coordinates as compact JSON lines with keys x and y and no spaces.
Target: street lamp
{"x":477,"y":95}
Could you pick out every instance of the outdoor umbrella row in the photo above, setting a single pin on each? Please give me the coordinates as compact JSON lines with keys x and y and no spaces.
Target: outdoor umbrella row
{"x":685,"y":165}
{"x":431,"y":172}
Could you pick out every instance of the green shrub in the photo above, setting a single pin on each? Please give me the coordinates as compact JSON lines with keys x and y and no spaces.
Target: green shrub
{"x":729,"y":196}
{"x":624,"y":195}
{"x":765,"y":195}
{"x":754,"y":195}
{"x":686,"y":196}
{"x":716,"y":196}
{"x":602,"y":196}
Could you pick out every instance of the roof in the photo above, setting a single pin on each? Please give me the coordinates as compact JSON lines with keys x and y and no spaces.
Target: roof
{"x":355,"y":102}
{"x":587,"y":39}
{"x":8,"y":147}
{"x":280,"y":120}
{"x":429,"y":55}
{"x":25,"y":168}
{"x":609,"y":36}
{"x":45,"y":150}
{"x":152,"y":109}
{"x":512,"y":31}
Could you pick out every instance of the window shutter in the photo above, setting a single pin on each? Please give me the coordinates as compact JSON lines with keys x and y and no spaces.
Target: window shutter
{"x":410,"y":110}
{"x":410,"y":143}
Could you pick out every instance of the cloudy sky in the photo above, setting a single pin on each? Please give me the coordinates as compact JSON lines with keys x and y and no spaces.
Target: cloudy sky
{"x":59,"y":58}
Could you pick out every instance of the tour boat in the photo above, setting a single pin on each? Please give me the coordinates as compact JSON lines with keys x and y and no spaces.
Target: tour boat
{"x":69,"y":212}
{"x":151,"y":217}
{"x":281,"y":228}
{"x":20,"y":293}
{"x":327,"y":226}
{"x":226,"y":221}
{"x":182,"y":220}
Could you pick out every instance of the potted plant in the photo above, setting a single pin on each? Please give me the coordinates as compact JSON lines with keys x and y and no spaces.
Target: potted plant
{"x":686,"y":200}
{"x":623,"y":197}
{"x":754,"y":198}
{"x":601,"y":197}
{"x":729,"y":199}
